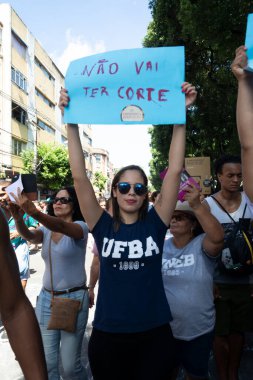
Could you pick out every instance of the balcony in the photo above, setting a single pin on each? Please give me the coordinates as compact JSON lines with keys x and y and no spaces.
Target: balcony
{"x":19,"y":130}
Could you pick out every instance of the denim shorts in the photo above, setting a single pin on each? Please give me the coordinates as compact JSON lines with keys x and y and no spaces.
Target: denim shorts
{"x":22,"y":254}
{"x":193,"y":355}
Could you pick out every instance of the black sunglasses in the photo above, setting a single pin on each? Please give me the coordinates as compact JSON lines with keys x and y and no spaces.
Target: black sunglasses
{"x":124,"y":188}
{"x":62,"y":200}
{"x":182,"y":216}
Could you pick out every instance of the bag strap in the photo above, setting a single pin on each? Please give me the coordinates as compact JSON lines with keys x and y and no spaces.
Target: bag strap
{"x":216,"y":200}
{"x":50,"y":265}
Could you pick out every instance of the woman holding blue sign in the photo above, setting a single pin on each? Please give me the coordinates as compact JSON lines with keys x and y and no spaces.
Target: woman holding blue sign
{"x":131,"y":337}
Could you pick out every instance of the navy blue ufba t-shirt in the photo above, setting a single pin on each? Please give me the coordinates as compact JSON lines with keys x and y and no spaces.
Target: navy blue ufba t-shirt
{"x":131,"y":295}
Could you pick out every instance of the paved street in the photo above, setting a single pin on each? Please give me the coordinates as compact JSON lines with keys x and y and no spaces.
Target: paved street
{"x":10,"y":370}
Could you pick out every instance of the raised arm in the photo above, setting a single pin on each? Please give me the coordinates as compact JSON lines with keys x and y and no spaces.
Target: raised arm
{"x":168,"y":196}
{"x":244,"y":116}
{"x":90,"y":208}
{"x":32,"y":235}
{"x":214,"y":238}
{"x":53,"y":223}
{"x":17,"y":312}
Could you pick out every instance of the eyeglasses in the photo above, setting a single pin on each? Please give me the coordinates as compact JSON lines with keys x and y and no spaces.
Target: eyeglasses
{"x":124,"y":188}
{"x":62,"y":200}
{"x":179,"y":218}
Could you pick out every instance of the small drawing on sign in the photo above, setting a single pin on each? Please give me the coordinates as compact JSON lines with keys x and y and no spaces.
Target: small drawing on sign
{"x":132,"y":113}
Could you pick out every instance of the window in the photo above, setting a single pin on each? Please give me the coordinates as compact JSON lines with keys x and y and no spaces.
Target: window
{"x":19,"y":79}
{"x":46,"y":127}
{"x":44,"y":70}
{"x":88,"y":140}
{"x":43,"y":97}
{"x":18,"y":45}
{"x":17,"y":147}
{"x":64,"y":140}
{"x":18,"y":113}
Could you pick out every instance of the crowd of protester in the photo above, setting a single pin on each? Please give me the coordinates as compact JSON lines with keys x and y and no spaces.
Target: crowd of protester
{"x":162,"y":304}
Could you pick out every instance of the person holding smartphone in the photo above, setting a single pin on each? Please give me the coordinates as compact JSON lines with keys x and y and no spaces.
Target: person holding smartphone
{"x":20,"y":245}
{"x":64,"y":233}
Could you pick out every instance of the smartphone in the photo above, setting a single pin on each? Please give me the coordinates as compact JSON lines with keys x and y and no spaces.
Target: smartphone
{"x":29,"y":182}
{"x":185,"y":180}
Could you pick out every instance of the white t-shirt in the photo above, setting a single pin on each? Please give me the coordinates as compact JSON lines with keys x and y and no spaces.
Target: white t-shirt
{"x":68,"y":259}
{"x":219,"y":276}
{"x":249,"y":204}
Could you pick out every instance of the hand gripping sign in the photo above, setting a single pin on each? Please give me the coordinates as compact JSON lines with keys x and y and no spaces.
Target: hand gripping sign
{"x":136,"y":86}
{"x":249,"y":42}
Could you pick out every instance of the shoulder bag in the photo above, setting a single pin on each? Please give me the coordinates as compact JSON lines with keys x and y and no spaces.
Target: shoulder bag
{"x":64,"y":311}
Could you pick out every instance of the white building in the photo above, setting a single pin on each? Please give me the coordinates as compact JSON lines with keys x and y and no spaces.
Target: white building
{"x":30,"y":84}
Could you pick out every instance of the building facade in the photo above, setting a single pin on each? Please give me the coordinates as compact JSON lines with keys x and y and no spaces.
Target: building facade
{"x":102,"y":164}
{"x":30,"y":84}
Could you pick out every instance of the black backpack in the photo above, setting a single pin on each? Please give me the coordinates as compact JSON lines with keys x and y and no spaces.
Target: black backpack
{"x":237,"y":254}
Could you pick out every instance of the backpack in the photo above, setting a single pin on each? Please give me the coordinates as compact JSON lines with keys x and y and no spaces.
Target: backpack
{"x":237,"y":254}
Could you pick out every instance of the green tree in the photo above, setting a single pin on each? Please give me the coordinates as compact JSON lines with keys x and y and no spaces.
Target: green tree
{"x":52,"y":168}
{"x":28,"y":160}
{"x":210,"y":30}
{"x":99,"y":181}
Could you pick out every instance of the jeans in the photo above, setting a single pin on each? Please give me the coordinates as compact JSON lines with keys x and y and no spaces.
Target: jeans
{"x":58,"y":343}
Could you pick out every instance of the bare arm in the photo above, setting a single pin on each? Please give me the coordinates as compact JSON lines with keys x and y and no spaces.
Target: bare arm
{"x":94,"y":275}
{"x":244,"y":115}
{"x":17,"y":312}
{"x":53,"y":223}
{"x":90,"y":208}
{"x":214,"y":238}
{"x":168,"y":196}
{"x":32,"y":235}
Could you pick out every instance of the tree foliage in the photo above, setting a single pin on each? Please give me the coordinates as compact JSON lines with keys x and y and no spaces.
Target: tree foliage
{"x":52,"y":165}
{"x":99,"y":181}
{"x":210,"y":30}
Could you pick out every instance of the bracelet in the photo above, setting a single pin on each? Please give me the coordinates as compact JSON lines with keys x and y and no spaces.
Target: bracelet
{"x":91,"y":287}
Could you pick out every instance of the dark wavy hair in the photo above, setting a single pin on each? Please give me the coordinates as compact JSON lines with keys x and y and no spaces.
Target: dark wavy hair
{"x":197,"y":229}
{"x":115,"y":206}
{"x":77,"y":215}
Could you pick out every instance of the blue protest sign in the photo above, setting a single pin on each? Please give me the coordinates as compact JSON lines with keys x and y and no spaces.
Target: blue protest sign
{"x":136,"y":86}
{"x":249,"y":41}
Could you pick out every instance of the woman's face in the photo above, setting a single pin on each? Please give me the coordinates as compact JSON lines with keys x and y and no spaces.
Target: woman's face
{"x":63,"y":205}
{"x":181,"y":224}
{"x":130,"y":201}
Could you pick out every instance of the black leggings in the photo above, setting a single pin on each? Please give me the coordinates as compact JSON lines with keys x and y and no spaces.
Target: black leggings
{"x":146,"y":355}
